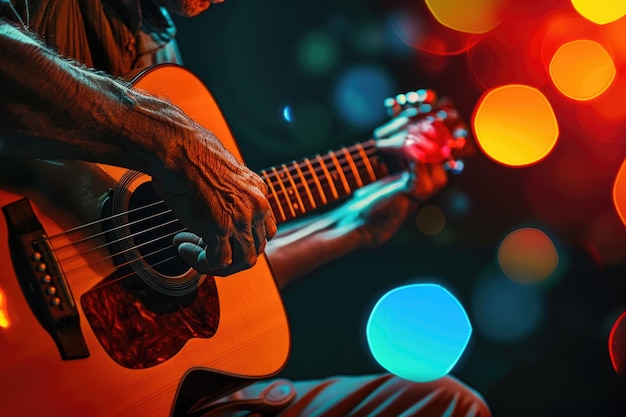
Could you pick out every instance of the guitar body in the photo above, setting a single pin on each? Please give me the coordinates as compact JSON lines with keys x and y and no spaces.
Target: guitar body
{"x":119,"y":368}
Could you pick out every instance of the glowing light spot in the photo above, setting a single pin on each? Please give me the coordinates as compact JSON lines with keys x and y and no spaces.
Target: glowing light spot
{"x":600,"y":11}
{"x":457,"y":202}
{"x":287,"y":114}
{"x":430,"y":220}
{"x":418,"y":331}
{"x":360,"y":93}
{"x":515,"y":125}
{"x":505,"y":311}
{"x":617,"y":344}
{"x":582,"y":79}
{"x":619,"y":192}
{"x":5,"y":322}
{"x":478,"y":16}
{"x":317,"y":52}
{"x":527,"y":256}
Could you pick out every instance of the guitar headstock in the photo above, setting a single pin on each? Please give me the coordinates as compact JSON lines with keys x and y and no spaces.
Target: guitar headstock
{"x":431,"y":124}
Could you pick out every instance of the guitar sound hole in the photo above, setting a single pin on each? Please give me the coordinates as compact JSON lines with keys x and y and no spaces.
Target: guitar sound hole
{"x":152,"y":228}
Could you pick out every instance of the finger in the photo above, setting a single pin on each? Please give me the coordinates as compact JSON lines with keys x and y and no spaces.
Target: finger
{"x":194,"y":256}
{"x":439,"y":175}
{"x":218,"y":252}
{"x":188,"y":237}
{"x":394,"y":125}
{"x":270,"y":225}
{"x":241,"y":262}
{"x":244,"y":250}
{"x":258,"y":233}
{"x":393,"y":143}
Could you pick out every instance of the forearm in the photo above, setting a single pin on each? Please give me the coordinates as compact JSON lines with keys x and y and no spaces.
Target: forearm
{"x":53,"y":108}
{"x":311,"y":244}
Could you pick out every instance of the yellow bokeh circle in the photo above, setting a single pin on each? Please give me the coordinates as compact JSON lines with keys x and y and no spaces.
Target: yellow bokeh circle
{"x":515,"y":125}
{"x":600,"y":12}
{"x":582,"y":69}
{"x":476,"y":16}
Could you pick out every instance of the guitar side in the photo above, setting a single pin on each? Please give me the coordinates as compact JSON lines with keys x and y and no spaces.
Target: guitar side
{"x":251,"y":342}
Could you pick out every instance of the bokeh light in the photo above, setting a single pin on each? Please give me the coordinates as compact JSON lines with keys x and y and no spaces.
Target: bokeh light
{"x":359,"y":95}
{"x":505,"y":311}
{"x":508,"y":56}
{"x":600,"y":11}
{"x":5,"y":322}
{"x":286,"y":114}
{"x":418,"y":331}
{"x":527,"y":256}
{"x":619,"y":192}
{"x":578,"y":78}
{"x":477,"y":16}
{"x":503,"y":128}
{"x":317,"y":52}
{"x":558,"y":28}
{"x":617,"y":344}
{"x":419,"y":30}
{"x":430,"y":220}
{"x":457,"y":202}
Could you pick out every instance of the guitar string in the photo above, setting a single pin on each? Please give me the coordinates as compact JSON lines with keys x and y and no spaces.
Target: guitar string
{"x":275,"y":174}
{"x":121,"y":239}
{"x":317,"y":172}
{"x":59,"y":249}
{"x":104,"y":232}
{"x":103,"y":260}
{"x":71,"y":244}
{"x":101,"y":284}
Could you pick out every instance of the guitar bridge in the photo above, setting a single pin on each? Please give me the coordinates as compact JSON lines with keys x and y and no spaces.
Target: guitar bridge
{"x":42,"y":281}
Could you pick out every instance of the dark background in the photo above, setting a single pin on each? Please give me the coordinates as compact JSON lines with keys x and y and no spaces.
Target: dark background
{"x":247,"y":52}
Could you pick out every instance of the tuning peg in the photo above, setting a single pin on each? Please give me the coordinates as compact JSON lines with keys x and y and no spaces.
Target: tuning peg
{"x":427,"y":96}
{"x":460,"y":132}
{"x":454,"y":166}
{"x":401,"y":99}
{"x":422,"y":99}
{"x":412,"y":97}
{"x":392,"y":107}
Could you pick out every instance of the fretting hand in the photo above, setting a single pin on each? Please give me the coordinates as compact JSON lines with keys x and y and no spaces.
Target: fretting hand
{"x":425,"y":144}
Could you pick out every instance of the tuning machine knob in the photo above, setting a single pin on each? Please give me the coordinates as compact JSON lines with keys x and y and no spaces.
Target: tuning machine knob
{"x":421,"y":99}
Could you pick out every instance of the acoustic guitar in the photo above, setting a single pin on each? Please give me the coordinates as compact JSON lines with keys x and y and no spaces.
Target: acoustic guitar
{"x":99,"y":316}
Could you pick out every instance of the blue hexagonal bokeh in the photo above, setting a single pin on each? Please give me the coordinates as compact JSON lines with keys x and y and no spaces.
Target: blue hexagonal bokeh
{"x":418,"y":331}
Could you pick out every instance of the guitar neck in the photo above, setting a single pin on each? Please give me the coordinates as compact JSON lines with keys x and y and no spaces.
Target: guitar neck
{"x":302,"y":186}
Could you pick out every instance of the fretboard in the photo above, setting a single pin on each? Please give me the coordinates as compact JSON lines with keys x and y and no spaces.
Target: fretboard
{"x":298,"y":187}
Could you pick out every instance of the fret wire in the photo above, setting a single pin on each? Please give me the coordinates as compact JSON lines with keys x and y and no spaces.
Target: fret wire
{"x":357,"y":176}
{"x":315,"y":174}
{"x":342,"y":177}
{"x":366,"y":159}
{"x":317,"y":180}
{"x":328,"y":178}
{"x":306,"y":185}
{"x":282,"y":186}
{"x":363,"y":152}
{"x":280,"y":209}
{"x":310,"y":182}
{"x":293,"y":184}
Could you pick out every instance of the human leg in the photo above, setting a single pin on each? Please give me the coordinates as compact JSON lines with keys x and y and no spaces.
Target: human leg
{"x":377,"y":395}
